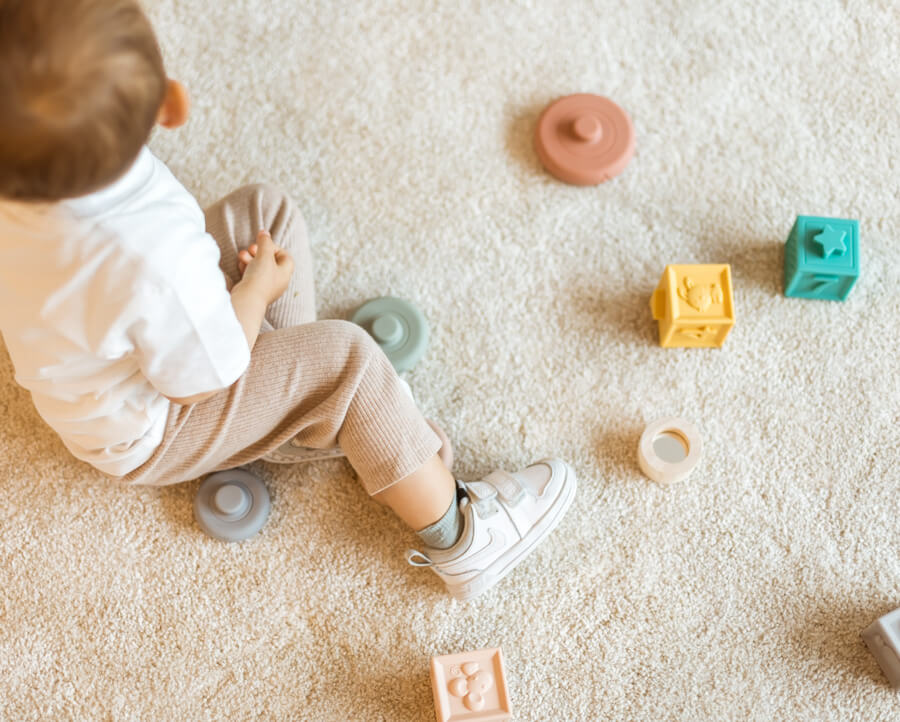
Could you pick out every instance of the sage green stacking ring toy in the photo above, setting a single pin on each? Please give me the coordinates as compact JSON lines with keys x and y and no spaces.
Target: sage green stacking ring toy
{"x":398,"y":327}
{"x":232,"y":505}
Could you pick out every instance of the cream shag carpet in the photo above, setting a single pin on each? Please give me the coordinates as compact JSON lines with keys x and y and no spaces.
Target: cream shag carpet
{"x":404,"y":131}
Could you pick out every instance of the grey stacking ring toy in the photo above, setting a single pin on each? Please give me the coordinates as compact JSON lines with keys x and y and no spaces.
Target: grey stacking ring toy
{"x":397,"y":326}
{"x":232,"y":505}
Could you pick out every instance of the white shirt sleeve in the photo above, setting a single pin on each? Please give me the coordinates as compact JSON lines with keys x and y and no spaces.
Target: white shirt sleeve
{"x":189,"y":340}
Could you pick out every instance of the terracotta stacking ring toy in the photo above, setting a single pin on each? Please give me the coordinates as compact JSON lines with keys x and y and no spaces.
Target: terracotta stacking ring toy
{"x":584,"y":139}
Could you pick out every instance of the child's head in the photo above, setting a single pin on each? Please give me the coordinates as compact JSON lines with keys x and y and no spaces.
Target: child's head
{"x":81,"y":86}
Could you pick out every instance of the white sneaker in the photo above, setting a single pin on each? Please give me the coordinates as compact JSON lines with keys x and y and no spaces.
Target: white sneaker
{"x":504,"y":517}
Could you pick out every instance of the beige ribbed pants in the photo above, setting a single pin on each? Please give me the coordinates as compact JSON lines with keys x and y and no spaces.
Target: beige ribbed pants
{"x":325,"y":382}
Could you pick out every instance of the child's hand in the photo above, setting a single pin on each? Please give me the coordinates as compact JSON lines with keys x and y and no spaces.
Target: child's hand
{"x":244,"y":258}
{"x":246,"y":255}
{"x":266,"y":266}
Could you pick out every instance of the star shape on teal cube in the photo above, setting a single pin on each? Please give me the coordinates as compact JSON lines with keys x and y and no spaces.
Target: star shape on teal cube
{"x":821,"y":258}
{"x":832,"y":241}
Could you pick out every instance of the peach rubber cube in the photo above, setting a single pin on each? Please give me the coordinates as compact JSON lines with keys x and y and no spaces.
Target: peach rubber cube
{"x":470,"y":686}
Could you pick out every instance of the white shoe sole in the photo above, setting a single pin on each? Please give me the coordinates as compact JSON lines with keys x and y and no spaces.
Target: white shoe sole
{"x":504,"y":564}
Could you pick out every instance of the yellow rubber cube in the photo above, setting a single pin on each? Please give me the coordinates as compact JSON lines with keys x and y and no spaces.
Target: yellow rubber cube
{"x":694,"y":305}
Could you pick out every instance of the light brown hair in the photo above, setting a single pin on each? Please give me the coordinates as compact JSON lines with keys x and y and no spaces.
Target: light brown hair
{"x":81,"y":83}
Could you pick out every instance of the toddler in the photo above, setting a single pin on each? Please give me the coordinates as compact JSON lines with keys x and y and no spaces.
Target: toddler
{"x":162,"y":343}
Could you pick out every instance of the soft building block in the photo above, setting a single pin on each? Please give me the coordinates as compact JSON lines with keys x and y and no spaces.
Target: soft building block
{"x":470,"y":686}
{"x":882,"y":637}
{"x":694,"y":305}
{"x":821,"y":258}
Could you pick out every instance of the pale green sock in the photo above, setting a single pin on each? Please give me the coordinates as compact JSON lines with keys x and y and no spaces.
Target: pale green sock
{"x":445,"y":532}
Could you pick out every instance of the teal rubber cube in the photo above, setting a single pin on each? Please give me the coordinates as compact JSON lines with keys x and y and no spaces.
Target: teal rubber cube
{"x":821,"y":258}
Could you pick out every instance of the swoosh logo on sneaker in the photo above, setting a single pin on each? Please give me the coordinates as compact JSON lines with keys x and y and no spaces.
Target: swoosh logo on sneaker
{"x":475,"y":559}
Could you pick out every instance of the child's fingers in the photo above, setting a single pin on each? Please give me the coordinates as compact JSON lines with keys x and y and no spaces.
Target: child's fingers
{"x":285,"y":262}
{"x":283,"y":256}
{"x":263,"y":240}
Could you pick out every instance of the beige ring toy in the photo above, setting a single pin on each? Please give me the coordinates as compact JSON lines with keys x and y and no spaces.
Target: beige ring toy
{"x":669,"y":450}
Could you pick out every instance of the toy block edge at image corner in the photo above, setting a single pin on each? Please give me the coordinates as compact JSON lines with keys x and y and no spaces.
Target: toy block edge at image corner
{"x":836,"y":266}
{"x":881,"y":638}
{"x":673,"y":319}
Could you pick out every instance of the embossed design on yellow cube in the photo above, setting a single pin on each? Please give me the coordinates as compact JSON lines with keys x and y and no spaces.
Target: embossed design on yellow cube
{"x":694,"y":305}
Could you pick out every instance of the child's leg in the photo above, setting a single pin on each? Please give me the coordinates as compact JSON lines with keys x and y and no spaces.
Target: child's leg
{"x":327,"y":384}
{"x":234,"y":222}
{"x":423,"y":497}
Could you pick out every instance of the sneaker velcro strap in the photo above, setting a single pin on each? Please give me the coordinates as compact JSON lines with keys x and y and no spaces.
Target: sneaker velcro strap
{"x":480,"y":491}
{"x":483,"y":497}
{"x":507,"y":485}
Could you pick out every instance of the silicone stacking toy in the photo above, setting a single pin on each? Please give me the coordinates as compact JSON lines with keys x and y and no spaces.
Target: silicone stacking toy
{"x":821,"y":258}
{"x":398,"y":327}
{"x":669,"y":450}
{"x":694,"y":304}
{"x":882,"y":637}
{"x":470,"y":686}
{"x":232,"y":505}
{"x":584,"y":139}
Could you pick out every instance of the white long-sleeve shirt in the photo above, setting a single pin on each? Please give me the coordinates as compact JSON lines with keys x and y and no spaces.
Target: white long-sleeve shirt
{"x":111,"y":302}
